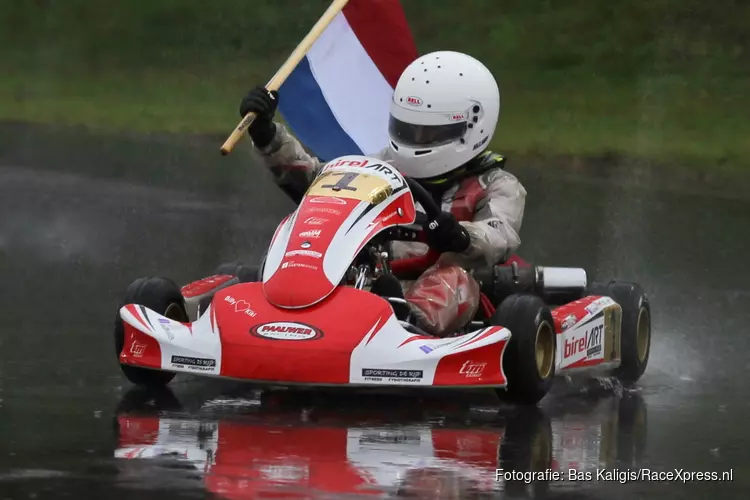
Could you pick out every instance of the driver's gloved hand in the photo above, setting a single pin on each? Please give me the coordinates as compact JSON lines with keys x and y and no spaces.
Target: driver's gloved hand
{"x":263,"y":103}
{"x":445,"y":234}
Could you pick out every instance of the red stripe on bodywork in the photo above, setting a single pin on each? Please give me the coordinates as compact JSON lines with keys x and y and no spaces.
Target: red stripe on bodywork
{"x":378,"y":328}
{"x":133,"y":309}
{"x":490,"y":331}
{"x":415,"y":338}
{"x":383,"y":30}
{"x":205,"y":285}
{"x":466,"y":341}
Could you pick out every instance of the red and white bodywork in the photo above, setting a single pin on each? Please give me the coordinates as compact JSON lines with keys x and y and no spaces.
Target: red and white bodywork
{"x":298,"y":326}
{"x":588,"y":334}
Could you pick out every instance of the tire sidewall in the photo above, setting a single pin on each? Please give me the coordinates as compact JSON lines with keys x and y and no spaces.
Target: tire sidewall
{"x":632,"y":299}
{"x":523,"y":315}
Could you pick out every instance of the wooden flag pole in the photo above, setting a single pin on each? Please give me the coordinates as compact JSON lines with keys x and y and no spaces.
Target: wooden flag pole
{"x":286,"y":69}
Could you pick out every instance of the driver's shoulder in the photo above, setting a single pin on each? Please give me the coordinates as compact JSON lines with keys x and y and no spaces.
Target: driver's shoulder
{"x":490,"y":168}
{"x":489,"y":159}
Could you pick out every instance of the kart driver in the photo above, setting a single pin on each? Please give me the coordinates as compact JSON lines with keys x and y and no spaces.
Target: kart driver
{"x":444,"y":111}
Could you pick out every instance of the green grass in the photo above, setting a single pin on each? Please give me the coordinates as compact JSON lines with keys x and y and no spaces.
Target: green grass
{"x":664,"y":80}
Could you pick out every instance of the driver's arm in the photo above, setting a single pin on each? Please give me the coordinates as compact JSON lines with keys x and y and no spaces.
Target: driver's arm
{"x":292,"y":168}
{"x":497,"y":218}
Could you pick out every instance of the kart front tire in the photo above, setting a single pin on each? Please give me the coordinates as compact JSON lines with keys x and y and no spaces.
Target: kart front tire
{"x":529,"y":358}
{"x":163,"y":296}
{"x":635,"y":333}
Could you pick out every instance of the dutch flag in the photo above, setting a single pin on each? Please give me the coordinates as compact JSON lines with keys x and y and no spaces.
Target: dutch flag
{"x":337,"y":99}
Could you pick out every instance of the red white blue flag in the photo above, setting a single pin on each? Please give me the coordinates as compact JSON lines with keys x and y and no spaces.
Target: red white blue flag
{"x":337,"y":99}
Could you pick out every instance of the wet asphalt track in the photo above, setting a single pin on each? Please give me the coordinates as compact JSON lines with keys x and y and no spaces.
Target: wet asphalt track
{"x":70,"y":244}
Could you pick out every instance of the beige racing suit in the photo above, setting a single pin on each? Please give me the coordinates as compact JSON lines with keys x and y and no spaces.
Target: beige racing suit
{"x":488,"y":201}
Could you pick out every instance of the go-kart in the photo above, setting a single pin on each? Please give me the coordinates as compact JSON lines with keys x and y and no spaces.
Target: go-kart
{"x":321,"y":310}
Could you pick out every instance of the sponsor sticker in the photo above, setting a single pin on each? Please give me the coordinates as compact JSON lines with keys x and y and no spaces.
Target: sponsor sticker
{"x":393,"y":176}
{"x":348,"y":163}
{"x":327,"y":199}
{"x":584,"y":343}
{"x":166,"y":325}
{"x":480,"y":143}
{"x":401,"y":376}
{"x":286,"y":330}
{"x":305,"y":253}
{"x":413,"y":100}
{"x":324,"y":210}
{"x":194,"y":364}
{"x":390,"y":216}
{"x":312,"y":233}
{"x":137,"y":349}
{"x":472,"y":369}
{"x":593,"y":308}
{"x":569,"y":321}
{"x":315,"y":221}
{"x":456,"y":117}
{"x":287,"y":265}
{"x":240,"y":306}
{"x":426,"y":349}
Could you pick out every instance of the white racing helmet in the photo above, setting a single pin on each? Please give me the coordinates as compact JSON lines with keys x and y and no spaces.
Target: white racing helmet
{"x":444,"y":111}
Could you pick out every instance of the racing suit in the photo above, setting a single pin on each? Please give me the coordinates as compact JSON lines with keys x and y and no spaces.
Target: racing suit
{"x":487,"y":200}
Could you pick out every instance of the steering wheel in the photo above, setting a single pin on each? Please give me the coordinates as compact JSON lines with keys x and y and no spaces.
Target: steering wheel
{"x":415,"y":265}
{"x":424,"y":198}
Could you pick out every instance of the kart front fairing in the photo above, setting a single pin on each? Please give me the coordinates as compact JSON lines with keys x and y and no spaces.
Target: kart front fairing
{"x":349,"y":202}
{"x":298,"y":326}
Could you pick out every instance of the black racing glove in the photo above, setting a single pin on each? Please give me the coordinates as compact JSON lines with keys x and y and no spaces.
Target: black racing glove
{"x":445,"y":234}
{"x":263,"y":103}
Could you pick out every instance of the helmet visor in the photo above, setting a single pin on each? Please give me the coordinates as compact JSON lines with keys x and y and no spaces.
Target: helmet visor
{"x":425,"y":135}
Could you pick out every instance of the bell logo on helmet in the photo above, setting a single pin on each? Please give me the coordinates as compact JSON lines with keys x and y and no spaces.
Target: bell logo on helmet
{"x":444,"y":106}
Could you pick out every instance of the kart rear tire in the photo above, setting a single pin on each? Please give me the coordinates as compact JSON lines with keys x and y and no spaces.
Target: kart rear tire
{"x":243,"y":272}
{"x":635,"y":335}
{"x":163,"y":296}
{"x":529,"y":358}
